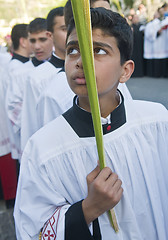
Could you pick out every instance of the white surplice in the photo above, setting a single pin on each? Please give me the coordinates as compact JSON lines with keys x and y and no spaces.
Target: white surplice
{"x":56,"y":99}
{"x":13,"y":65}
{"x":14,"y":100}
{"x":155,"y":46}
{"x":56,"y":161}
{"x":5,"y":57}
{"x":37,"y":82}
{"x":4,"y":134}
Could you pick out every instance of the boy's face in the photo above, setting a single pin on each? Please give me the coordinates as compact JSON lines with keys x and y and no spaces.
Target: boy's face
{"x":59,"y":34}
{"x":108,"y":69}
{"x":41,"y":44}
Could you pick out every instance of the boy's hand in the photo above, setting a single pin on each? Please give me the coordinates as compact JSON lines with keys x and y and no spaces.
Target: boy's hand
{"x":104,"y":192}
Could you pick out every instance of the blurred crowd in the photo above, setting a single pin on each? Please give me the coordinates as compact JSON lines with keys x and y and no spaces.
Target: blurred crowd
{"x":150,"y":52}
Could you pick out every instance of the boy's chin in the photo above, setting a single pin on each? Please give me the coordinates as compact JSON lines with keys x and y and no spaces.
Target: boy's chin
{"x":82,"y":95}
{"x":80,"y":91}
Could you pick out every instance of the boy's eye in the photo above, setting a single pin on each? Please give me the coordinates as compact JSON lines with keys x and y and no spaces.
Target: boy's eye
{"x":43,"y":39}
{"x":72,"y":51}
{"x":64,"y":29}
{"x":32,"y":40}
{"x":99,"y":51}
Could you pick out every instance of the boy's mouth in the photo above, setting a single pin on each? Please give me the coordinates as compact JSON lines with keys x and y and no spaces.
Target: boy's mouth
{"x":39,"y":54}
{"x":80,"y":80}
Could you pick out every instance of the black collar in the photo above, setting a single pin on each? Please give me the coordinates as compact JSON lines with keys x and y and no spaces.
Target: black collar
{"x":36,"y":62}
{"x":62,"y":70}
{"x":81,"y":121}
{"x":57,"y":62}
{"x":20,"y":58}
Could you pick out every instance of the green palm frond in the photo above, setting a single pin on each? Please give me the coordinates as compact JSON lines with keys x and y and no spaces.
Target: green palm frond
{"x":81,"y":12}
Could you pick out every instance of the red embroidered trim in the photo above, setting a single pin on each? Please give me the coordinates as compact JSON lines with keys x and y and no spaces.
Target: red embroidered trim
{"x":49,"y":232}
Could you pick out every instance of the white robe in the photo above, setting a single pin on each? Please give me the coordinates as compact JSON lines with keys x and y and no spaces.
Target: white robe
{"x":4,"y":134}
{"x":14,"y":100}
{"x":13,"y":66}
{"x":5,"y":57}
{"x":37,"y":82}
{"x":57,"y":98}
{"x":155,"y":47}
{"x":56,"y":161}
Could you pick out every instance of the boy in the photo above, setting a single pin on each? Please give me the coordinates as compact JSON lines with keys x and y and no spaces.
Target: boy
{"x":61,"y":189}
{"x":41,"y":44}
{"x":43,"y":75}
{"x":8,"y":177}
{"x":40,"y":40}
{"x":56,"y":25}
{"x":21,"y":54}
{"x":21,"y":46}
{"x":57,"y":96}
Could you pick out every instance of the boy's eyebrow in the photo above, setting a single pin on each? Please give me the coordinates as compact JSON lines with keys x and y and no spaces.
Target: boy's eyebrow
{"x":99,"y":44}
{"x":72,"y":43}
{"x":40,"y":38}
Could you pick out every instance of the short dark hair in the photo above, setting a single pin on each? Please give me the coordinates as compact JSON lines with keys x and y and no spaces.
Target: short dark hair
{"x":18,"y":31}
{"x":68,"y":14}
{"x":112,"y":24}
{"x":51,"y":17}
{"x":37,"y":25}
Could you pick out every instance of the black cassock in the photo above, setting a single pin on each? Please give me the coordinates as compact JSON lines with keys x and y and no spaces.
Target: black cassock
{"x":137,"y":54}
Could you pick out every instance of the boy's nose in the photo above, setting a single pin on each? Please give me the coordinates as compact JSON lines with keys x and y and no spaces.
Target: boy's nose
{"x":79,"y":63}
{"x":37,"y":45}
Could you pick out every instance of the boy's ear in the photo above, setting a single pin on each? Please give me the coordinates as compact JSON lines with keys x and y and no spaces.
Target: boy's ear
{"x":49,"y":34}
{"x":127,"y":71}
{"x":22,"y":42}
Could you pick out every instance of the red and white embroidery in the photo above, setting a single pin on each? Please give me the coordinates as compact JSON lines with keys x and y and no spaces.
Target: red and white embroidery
{"x":4,"y":142}
{"x":49,"y":231}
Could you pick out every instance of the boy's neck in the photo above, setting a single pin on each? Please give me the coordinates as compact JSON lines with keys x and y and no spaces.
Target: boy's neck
{"x":107,"y":105}
{"x":60,"y":54}
{"x":22,"y":52}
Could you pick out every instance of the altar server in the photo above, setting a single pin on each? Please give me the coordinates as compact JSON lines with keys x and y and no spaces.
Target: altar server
{"x":8,"y":176}
{"x":62,"y":191}
{"x":21,"y":46}
{"x":41,"y":44}
{"x":21,"y":54}
{"x":43,"y":75}
{"x":155,"y":46}
{"x":57,"y":97}
{"x":40,"y":40}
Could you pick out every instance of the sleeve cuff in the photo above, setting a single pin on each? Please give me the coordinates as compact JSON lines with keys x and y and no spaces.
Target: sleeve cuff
{"x":76,"y":227}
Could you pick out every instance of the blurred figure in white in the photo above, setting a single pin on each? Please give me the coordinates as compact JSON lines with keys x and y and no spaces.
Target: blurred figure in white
{"x":41,"y":45}
{"x":155,"y":46}
{"x":8,"y":171}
